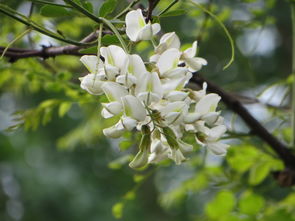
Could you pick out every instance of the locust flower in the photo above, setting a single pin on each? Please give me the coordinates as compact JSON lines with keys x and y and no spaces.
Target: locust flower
{"x":151,"y":97}
{"x":136,"y":27}
{"x":114,"y":92}
{"x":193,"y":63}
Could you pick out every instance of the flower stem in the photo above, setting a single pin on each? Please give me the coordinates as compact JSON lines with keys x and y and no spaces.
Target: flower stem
{"x":15,"y":40}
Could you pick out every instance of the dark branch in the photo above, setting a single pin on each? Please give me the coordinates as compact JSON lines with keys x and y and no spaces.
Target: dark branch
{"x":16,"y":53}
{"x":256,"y":128}
{"x":152,"y":5}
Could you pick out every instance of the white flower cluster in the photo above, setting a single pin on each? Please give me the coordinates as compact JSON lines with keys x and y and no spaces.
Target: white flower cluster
{"x":151,"y":97}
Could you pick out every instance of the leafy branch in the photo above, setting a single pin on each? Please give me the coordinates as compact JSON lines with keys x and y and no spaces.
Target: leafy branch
{"x":31,"y":24}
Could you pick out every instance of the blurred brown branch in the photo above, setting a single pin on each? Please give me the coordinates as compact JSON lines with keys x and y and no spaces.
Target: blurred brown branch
{"x":256,"y":127}
{"x":17,"y":53}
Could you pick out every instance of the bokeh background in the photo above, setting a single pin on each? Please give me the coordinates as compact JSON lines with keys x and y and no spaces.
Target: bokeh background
{"x":55,"y":164}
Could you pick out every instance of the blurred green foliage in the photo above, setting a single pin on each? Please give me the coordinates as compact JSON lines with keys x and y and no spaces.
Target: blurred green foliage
{"x":55,"y":163}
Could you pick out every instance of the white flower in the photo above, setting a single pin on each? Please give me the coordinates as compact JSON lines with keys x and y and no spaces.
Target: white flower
{"x":92,"y":84}
{"x":135,"y":71}
{"x":114,"y":92}
{"x":114,"y":131}
{"x":140,"y":160}
{"x":174,"y":112}
{"x":152,"y":99}
{"x":159,"y":151}
{"x":177,"y":156}
{"x":136,"y":27}
{"x":217,"y":148}
{"x":168,"y":40}
{"x":115,"y":58}
{"x":207,"y":104}
{"x":133,"y":108}
{"x":168,"y":61}
{"x":92,"y":63}
{"x":210,"y":139}
{"x":149,"y":88}
{"x":111,"y":109}
{"x":193,"y":63}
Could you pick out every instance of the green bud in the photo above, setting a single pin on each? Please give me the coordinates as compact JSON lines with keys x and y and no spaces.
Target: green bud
{"x":140,"y":160}
{"x":145,"y":130}
{"x":201,"y":136}
{"x":170,"y":137}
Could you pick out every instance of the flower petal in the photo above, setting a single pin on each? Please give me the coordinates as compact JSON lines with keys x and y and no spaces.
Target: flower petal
{"x":195,"y":64}
{"x":114,"y":91}
{"x":91,"y":63}
{"x":114,"y":108}
{"x":115,"y":131}
{"x":177,"y":156}
{"x":216,"y":132}
{"x":191,"y":52}
{"x":92,"y":84}
{"x":136,"y":66}
{"x":145,"y":33}
{"x":218,"y":148}
{"x":140,"y":160}
{"x":168,"y":40}
{"x":127,"y":80}
{"x":134,"y":23}
{"x":129,"y":123}
{"x":133,"y":108}
{"x":156,"y":27}
{"x":168,"y":60}
{"x":115,"y":56}
{"x":207,"y":103}
{"x":176,"y":96}
{"x":191,"y":117}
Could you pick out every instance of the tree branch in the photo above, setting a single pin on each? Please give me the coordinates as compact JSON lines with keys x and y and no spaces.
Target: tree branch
{"x":256,"y":128}
{"x":16,"y":53}
{"x":152,"y":5}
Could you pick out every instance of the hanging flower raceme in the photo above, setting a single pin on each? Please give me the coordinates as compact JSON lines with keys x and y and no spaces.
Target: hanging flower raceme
{"x":151,"y":97}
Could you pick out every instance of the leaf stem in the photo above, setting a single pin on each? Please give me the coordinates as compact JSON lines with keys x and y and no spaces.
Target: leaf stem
{"x":25,"y":20}
{"x":232,"y":58}
{"x":84,"y":11}
{"x":15,"y":40}
{"x":50,"y":3}
{"x":126,"y":9}
{"x":168,"y":7}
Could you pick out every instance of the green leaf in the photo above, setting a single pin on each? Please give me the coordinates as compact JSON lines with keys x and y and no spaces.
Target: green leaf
{"x":87,"y":5}
{"x":119,"y":162}
{"x":259,"y":172}
{"x":53,"y":11}
{"x":117,"y":210}
{"x":241,"y":158}
{"x":91,"y":50}
{"x":176,"y":12}
{"x":64,"y":108}
{"x":222,"y":205}
{"x":125,"y":144}
{"x":251,"y":203}
{"x":107,"y":7}
{"x":109,"y":39}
